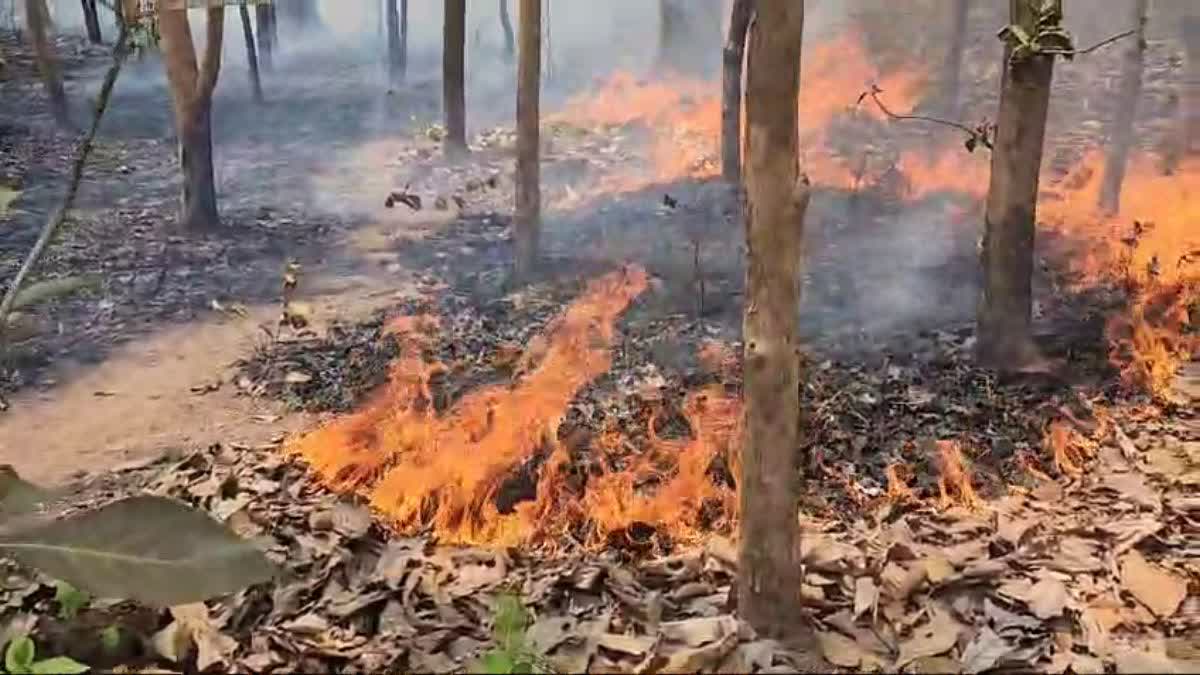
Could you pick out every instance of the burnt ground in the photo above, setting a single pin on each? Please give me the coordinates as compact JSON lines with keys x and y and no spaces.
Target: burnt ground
{"x":889,"y":369}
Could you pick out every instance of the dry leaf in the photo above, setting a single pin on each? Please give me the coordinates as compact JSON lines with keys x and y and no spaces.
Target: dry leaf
{"x":840,"y":650}
{"x":695,"y":632}
{"x":191,"y":626}
{"x":701,"y":659}
{"x":1047,"y":598}
{"x":1157,"y":589}
{"x":866,"y":595}
{"x":937,"y":569}
{"x":936,"y":637}
{"x":1081,"y":664}
{"x":1133,"y":486}
{"x":984,"y":651}
{"x":899,"y":582}
{"x":634,"y":645}
{"x":1138,"y":662}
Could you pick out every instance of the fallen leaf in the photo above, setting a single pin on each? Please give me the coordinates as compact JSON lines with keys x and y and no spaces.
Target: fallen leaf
{"x":931,"y":639}
{"x":984,"y":651}
{"x":634,"y":645}
{"x":297,"y":377}
{"x":192,"y":626}
{"x":1133,"y":486}
{"x":701,"y":659}
{"x":695,"y":632}
{"x":7,"y":197}
{"x":1137,"y":662}
{"x":840,"y":650}
{"x":899,"y":582}
{"x":866,"y":595}
{"x":1159,"y":590}
{"x":352,"y":521}
{"x":1082,"y":664}
{"x":937,"y":569}
{"x":1047,"y":598}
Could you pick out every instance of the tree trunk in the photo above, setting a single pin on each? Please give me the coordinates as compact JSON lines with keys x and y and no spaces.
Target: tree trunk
{"x":687,"y":29}
{"x":251,"y":54}
{"x":506,"y":26}
{"x":454,"y":36}
{"x":777,"y":196}
{"x":395,"y":55}
{"x":731,"y":90}
{"x":37,"y":18}
{"x":1004,"y":331}
{"x":1120,"y":140}
{"x":952,"y":68}
{"x":191,"y":93}
{"x":130,"y":12}
{"x":529,"y":196}
{"x":1191,"y":84}
{"x":91,"y":20}
{"x":266,"y":43}
{"x":403,"y":39}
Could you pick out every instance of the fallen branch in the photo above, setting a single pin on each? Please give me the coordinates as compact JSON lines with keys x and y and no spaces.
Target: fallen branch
{"x":120,"y":51}
{"x":975,"y":136}
{"x":1071,"y":53}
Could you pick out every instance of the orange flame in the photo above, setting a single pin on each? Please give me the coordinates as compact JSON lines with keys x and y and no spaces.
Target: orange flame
{"x":1069,"y":449}
{"x":954,"y":484}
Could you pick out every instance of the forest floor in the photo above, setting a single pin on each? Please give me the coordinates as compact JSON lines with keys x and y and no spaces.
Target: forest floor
{"x":952,"y":521}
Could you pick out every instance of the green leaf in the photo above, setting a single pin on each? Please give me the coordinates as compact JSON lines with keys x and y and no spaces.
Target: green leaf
{"x":7,"y":197}
{"x":59,"y":665}
{"x":110,"y":638}
{"x":18,"y":656}
{"x":496,"y":663}
{"x":18,"y":497}
{"x":70,"y":600}
{"x":154,"y":550}
{"x":51,"y":289}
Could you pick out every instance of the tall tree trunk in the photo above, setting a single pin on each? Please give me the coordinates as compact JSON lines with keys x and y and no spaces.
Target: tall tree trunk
{"x":251,"y":54}
{"x":952,"y":68}
{"x":191,"y":93}
{"x":454,"y":36}
{"x":506,"y":26}
{"x":130,"y":12}
{"x":37,"y":18}
{"x":1004,"y":331}
{"x":91,"y":20}
{"x":395,"y":55}
{"x":777,"y":197}
{"x":1191,"y":83}
{"x":731,"y":90}
{"x":687,"y":30}
{"x":403,"y":38}
{"x":266,"y":43}
{"x":1120,"y":140}
{"x":529,"y":196}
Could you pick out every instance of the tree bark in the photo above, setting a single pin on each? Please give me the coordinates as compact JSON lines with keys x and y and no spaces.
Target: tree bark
{"x":91,"y":20}
{"x":454,"y":36}
{"x":251,"y":54}
{"x":1004,"y":331}
{"x":777,"y":196}
{"x":1120,"y":140}
{"x":395,"y":54}
{"x":1191,"y":84}
{"x":529,"y":197}
{"x":37,"y":19}
{"x":506,"y":26}
{"x":731,"y":90}
{"x":266,"y":43}
{"x":952,"y":68}
{"x":687,"y":29}
{"x":191,"y":93}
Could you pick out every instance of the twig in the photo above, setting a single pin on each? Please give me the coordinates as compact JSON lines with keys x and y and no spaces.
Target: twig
{"x":1098,"y":45}
{"x":120,"y":51}
{"x":976,"y":135}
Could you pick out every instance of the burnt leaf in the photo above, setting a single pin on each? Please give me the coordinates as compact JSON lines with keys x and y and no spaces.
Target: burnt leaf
{"x":154,"y":550}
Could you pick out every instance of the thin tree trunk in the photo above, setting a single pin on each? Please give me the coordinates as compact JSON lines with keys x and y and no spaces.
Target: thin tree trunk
{"x":130,"y":12}
{"x":395,"y":55}
{"x":952,"y":68}
{"x":37,"y":18}
{"x":1191,"y":84}
{"x":1121,"y":136}
{"x":274,"y":27}
{"x":1004,"y":331}
{"x":266,"y":42}
{"x":191,"y":92}
{"x":403,"y":39}
{"x":506,"y":25}
{"x":251,"y":54}
{"x":777,"y":196}
{"x":731,"y":90}
{"x":454,"y":36}
{"x":529,"y":196}
{"x":91,"y":20}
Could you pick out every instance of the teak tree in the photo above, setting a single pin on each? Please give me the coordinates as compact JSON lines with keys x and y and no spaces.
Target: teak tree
{"x":732,"y":57}
{"x":454,"y":98}
{"x":91,"y":21}
{"x":1120,"y":137}
{"x":396,"y":64}
{"x":952,"y":67}
{"x":506,"y":26}
{"x":777,"y":196}
{"x":264,"y":18}
{"x":251,"y":54}
{"x":37,"y":19}
{"x":191,"y":95}
{"x":528,"y":209}
{"x":1004,"y":330}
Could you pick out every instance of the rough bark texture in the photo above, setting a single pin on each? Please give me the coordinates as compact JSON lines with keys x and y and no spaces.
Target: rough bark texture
{"x":1120,"y":138}
{"x":395,"y":54}
{"x":506,"y":26}
{"x":1004,"y":322}
{"x":91,"y":20}
{"x":952,"y":68}
{"x":251,"y":54}
{"x":37,"y":19}
{"x":777,"y":197}
{"x":687,"y":31}
{"x":454,"y":36}
{"x":191,"y":94}
{"x":263,"y":18}
{"x":732,"y":57}
{"x":1191,"y":84}
{"x":529,"y":196}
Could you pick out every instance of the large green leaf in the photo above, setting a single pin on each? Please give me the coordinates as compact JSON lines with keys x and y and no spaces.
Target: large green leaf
{"x":154,"y":550}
